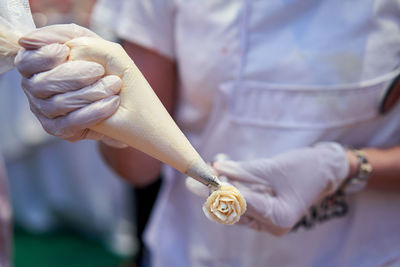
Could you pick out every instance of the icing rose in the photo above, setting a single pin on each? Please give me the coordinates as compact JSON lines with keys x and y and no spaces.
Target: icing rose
{"x":225,"y":205}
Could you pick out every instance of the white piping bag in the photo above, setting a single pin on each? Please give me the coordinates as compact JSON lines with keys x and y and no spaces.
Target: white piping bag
{"x":15,"y":21}
{"x":141,"y":120}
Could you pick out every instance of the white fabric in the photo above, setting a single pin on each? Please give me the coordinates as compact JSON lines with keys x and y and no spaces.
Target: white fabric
{"x":263,"y":77}
{"x":159,"y":20}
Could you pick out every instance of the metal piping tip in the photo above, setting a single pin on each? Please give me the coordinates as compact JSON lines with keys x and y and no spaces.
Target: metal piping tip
{"x":200,"y":171}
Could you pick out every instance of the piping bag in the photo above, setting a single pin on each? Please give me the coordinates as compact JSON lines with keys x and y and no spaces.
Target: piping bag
{"x":141,"y":120}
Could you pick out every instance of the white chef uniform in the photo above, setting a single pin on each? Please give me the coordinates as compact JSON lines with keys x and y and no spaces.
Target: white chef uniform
{"x":258,"y":78}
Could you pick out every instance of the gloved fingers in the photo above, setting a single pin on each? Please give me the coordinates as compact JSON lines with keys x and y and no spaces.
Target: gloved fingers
{"x":220,"y":157}
{"x":29,"y":62}
{"x":70,"y":126}
{"x":113,"y":143}
{"x":62,"y":104}
{"x":88,"y":134}
{"x":258,"y":218}
{"x":197,"y":188}
{"x":93,"y":135}
{"x":69,"y":76}
{"x":272,"y":211}
{"x":84,"y":134}
{"x":261,"y":206}
{"x":246,"y":172}
{"x":59,"y":33}
{"x":262,"y":226}
{"x":253,"y":224}
{"x":261,"y":188}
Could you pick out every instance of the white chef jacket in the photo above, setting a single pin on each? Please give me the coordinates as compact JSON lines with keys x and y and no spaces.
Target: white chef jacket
{"x":258,"y":78}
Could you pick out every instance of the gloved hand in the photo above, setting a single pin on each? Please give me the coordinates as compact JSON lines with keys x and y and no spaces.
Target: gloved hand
{"x":280,"y":190}
{"x":67,"y":97}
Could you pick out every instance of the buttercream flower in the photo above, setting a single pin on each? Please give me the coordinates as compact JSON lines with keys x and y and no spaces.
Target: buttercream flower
{"x":225,"y":205}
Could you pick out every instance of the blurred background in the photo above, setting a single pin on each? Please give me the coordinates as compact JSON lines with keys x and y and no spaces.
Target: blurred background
{"x":69,"y":209}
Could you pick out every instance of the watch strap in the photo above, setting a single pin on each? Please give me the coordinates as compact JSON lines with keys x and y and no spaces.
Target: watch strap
{"x":358,"y":182}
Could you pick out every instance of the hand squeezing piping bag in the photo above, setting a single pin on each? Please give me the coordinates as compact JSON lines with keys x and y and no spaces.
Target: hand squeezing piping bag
{"x":141,"y":120}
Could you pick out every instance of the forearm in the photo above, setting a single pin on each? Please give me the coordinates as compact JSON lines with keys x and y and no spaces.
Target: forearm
{"x":386,"y":167}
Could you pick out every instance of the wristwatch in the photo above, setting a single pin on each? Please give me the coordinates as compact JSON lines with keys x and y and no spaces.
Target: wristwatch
{"x":359,"y":181}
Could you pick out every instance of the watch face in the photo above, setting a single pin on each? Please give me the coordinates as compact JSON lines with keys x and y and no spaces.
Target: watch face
{"x":365,"y":171}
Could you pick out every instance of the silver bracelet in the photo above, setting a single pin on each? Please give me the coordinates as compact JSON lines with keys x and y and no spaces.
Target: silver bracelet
{"x":359,"y":181}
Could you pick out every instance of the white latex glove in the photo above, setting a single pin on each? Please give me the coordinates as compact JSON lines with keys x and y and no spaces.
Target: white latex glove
{"x":280,"y":190}
{"x":67,"y":97}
